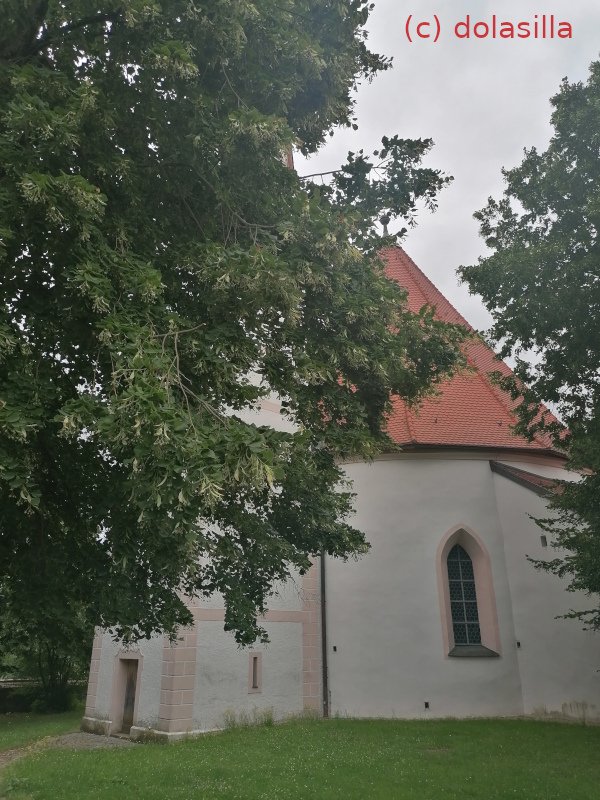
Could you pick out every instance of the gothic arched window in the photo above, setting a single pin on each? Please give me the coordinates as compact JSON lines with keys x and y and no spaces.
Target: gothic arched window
{"x":467,"y":599}
{"x":463,"y":598}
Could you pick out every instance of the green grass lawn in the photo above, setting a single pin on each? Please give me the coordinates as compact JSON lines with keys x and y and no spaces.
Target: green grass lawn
{"x":17,"y":730}
{"x":391,"y":760}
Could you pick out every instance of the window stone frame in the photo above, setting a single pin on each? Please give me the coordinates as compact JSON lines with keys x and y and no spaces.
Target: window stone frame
{"x":484,"y":587}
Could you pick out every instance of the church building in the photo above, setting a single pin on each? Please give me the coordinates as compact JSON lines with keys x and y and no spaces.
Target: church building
{"x":444,"y":616}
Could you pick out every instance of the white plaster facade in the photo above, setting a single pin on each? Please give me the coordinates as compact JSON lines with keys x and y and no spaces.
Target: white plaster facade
{"x":387,"y":654}
{"x":205,"y":681}
{"x":386,"y":650}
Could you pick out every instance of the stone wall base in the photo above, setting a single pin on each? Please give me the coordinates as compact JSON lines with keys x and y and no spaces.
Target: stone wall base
{"x":138,"y":734}
{"x":95,"y":725}
{"x":102,"y":727}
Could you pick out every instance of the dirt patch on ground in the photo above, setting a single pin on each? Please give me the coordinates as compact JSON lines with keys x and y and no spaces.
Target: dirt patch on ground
{"x":8,"y":756}
{"x":88,"y":741}
{"x":71,"y":741}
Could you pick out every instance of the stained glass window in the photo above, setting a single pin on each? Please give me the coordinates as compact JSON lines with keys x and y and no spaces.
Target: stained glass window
{"x":463,"y":599}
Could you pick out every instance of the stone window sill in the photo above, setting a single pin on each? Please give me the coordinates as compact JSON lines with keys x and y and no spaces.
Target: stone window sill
{"x":472,"y":651}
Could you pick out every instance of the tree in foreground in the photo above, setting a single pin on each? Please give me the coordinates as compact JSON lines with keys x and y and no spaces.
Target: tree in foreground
{"x":47,"y":640}
{"x":155,"y":254}
{"x":542,"y":286}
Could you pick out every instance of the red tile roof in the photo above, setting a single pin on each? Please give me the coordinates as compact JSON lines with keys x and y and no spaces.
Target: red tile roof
{"x":469,"y":411}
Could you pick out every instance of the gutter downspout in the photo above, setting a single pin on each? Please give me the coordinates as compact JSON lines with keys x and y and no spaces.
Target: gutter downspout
{"x":325,"y":675}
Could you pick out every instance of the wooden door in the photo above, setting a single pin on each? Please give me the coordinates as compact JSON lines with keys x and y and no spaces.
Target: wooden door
{"x":130,"y":666}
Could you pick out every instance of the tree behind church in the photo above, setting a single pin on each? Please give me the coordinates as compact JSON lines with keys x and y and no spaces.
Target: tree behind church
{"x":156,"y":252}
{"x":542,"y":286}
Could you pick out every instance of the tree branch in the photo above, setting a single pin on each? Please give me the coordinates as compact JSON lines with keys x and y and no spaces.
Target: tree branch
{"x":20,"y":29}
{"x":93,"y":19}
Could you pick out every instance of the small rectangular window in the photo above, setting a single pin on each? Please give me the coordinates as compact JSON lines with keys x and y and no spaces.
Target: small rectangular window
{"x":255,"y":673}
{"x":544,"y":540}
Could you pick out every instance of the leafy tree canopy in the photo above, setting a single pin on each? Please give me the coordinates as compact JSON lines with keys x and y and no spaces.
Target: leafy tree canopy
{"x":155,"y":254}
{"x":542,"y":285}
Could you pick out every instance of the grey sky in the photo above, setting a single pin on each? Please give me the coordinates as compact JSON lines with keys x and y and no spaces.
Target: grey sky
{"x":481,"y":101}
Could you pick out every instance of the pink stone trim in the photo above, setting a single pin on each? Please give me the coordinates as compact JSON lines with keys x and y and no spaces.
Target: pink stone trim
{"x":118,"y":688}
{"x":255,"y":657}
{"x":176,"y":710}
{"x":311,"y":640}
{"x":92,"y":690}
{"x":284,"y":616}
{"x":270,"y":405}
{"x":208,"y":614}
{"x":484,"y":586}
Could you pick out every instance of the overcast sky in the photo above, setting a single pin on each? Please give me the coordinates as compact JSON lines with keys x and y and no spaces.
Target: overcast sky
{"x":481,"y":101}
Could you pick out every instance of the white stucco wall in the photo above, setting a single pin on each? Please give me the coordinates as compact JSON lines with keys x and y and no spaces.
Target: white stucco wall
{"x":222,"y":675}
{"x":558,"y":661}
{"x":386,"y":654}
{"x":384,"y":611}
{"x":285,"y":597}
{"x":267,"y":412}
{"x":149,"y":678}
{"x":222,"y":667}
